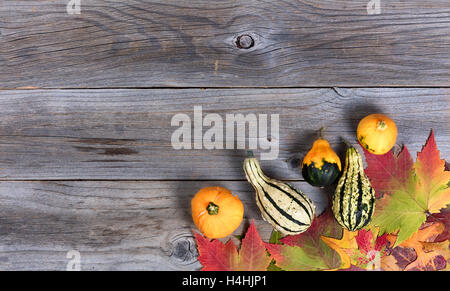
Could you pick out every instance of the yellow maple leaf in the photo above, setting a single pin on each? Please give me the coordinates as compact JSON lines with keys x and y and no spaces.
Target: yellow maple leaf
{"x":389,"y":263}
{"x":343,"y":246}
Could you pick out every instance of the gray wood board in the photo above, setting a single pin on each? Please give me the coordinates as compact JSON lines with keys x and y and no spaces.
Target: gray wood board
{"x":193,"y":44}
{"x":126,"y":225}
{"x":126,"y":134}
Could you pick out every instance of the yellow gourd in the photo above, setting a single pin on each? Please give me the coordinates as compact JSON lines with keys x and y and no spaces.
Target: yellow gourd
{"x":377,"y":133}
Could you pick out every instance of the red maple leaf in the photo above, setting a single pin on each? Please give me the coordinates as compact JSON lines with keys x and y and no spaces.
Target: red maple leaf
{"x":388,"y":172}
{"x":216,"y":256}
{"x":365,"y":242}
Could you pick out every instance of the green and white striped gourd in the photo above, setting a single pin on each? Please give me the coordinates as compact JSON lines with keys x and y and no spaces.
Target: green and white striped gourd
{"x":354,"y":198}
{"x":287,"y":209}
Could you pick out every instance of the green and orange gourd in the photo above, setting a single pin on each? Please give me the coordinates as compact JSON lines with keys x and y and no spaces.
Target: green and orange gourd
{"x":321,"y":166}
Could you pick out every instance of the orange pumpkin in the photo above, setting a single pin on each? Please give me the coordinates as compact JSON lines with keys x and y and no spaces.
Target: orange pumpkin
{"x":216,"y":212}
{"x":377,"y":133}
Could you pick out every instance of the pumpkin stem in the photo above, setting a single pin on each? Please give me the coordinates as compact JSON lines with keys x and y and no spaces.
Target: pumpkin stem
{"x":321,"y":130}
{"x":250,"y":154}
{"x":212,"y":209}
{"x":381,"y":125}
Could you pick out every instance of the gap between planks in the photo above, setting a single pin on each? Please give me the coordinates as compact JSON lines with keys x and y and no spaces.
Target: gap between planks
{"x":224,"y":88}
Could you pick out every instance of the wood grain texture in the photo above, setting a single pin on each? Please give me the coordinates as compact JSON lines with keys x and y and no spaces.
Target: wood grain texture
{"x":176,"y":43}
{"x":126,"y":134}
{"x":114,"y":225}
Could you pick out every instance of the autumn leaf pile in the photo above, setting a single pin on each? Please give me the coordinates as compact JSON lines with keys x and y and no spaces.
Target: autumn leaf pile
{"x":409,"y":230}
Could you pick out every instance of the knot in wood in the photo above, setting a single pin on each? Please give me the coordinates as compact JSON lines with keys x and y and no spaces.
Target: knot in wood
{"x":294,"y":162}
{"x":182,"y":249}
{"x":245,"y":41}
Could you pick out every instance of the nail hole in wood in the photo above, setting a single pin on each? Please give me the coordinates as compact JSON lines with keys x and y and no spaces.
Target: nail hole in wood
{"x":245,"y":41}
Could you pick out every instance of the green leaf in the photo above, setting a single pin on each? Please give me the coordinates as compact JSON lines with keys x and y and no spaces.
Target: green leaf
{"x":399,"y":213}
{"x":307,"y":251}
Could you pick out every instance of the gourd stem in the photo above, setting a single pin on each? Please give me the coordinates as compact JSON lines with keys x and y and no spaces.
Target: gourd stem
{"x":321,"y":130}
{"x":212,"y":209}
{"x":381,"y":125}
{"x":250,"y":154}
{"x":347,"y":143}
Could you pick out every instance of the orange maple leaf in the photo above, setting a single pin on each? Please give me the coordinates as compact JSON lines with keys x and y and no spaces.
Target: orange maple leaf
{"x":433,"y":179}
{"x":426,"y":251}
{"x":343,"y":246}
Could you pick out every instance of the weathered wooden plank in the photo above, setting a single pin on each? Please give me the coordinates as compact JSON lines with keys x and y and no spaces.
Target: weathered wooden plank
{"x":113,"y":225}
{"x":126,"y":134}
{"x":195,"y":44}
